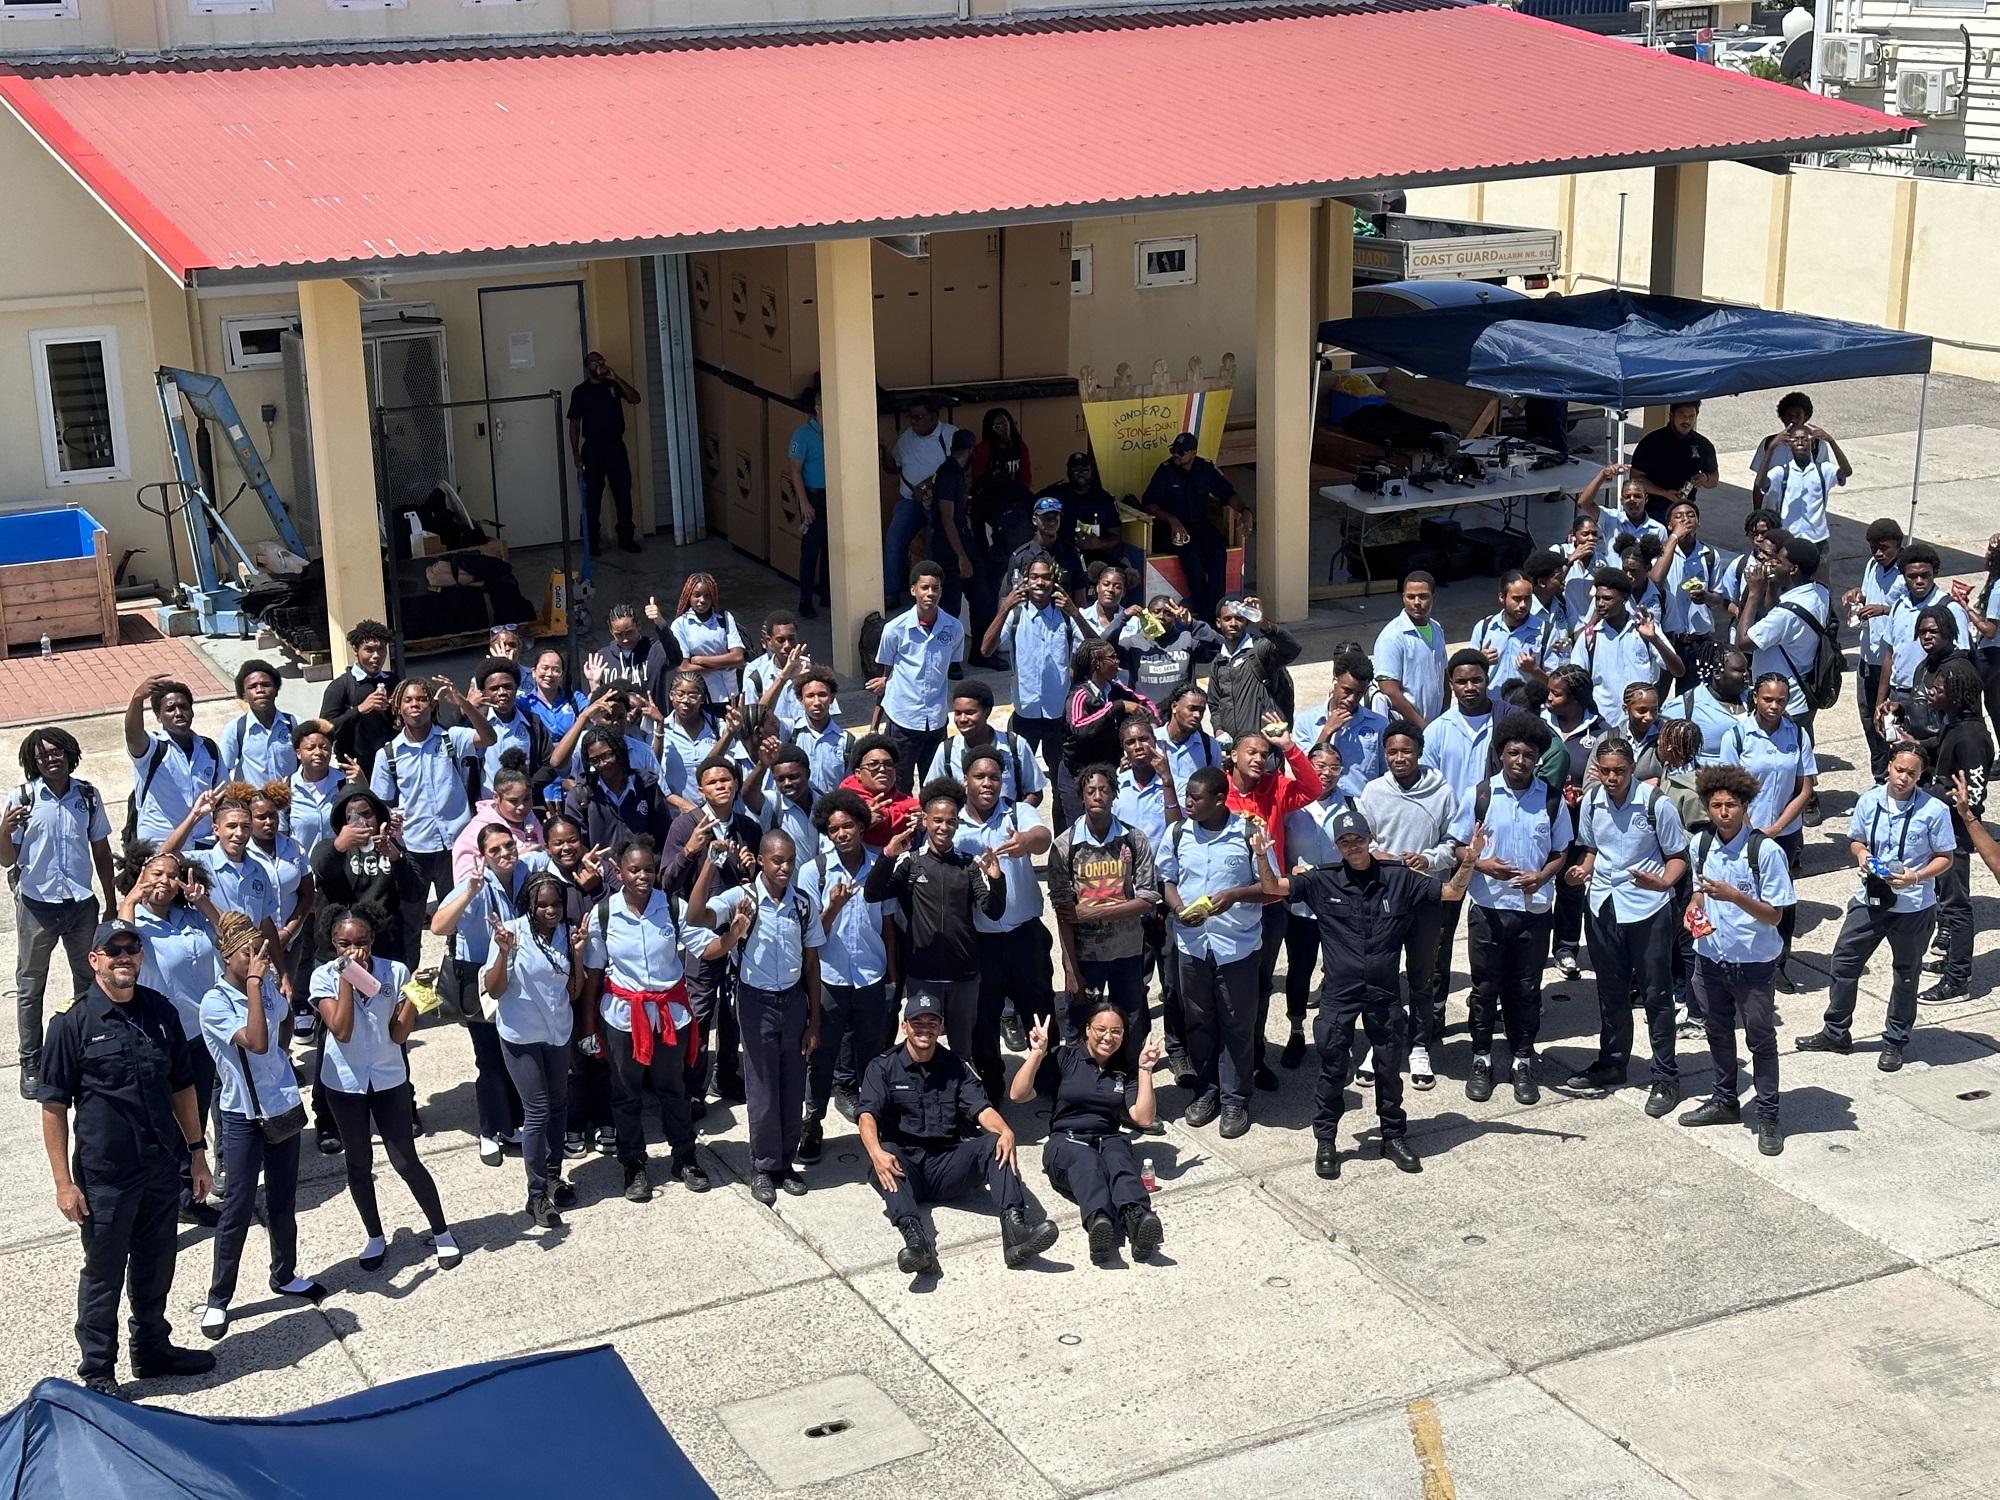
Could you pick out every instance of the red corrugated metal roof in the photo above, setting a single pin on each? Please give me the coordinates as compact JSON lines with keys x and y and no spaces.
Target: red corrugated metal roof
{"x":343,"y":162}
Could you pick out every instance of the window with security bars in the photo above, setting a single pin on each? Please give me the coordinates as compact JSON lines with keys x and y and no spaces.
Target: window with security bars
{"x":79,"y":404}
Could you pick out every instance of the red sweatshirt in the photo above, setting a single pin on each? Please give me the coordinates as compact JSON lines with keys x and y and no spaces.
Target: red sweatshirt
{"x":892,"y":812}
{"x":1276,"y":796}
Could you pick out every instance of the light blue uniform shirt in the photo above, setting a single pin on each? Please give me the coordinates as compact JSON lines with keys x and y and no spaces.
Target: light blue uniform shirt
{"x":1777,"y":760}
{"x":511,"y":734}
{"x":1715,"y":718}
{"x":1309,"y":838}
{"x":1880,"y":585}
{"x":52,"y":853}
{"x":854,"y":953}
{"x":287,"y":863}
{"x":1613,"y":523}
{"x":1902,"y":634}
{"x":179,"y":960}
{"x":782,"y":812}
{"x":225,"y":1010}
{"x":1020,"y":775}
{"x":808,"y":446}
{"x":1614,"y":658}
{"x":1579,"y":591}
{"x":367,"y":1059}
{"x":1403,"y":655}
{"x":1457,"y":748}
{"x":1782,"y":642}
{"x":641,"y":951}
{"x":311,"y":813}
{"x":534,"y":1009}
{"x":710,"y":637}
{"x":772,"y":953}
{"x":1740,"y":938}
{"x":253,"y":753}
{"x":1641,"y":835}
{"x":1519,"y":831}
{"x":1911,"y":834}
{"x":1531,"y":637}
{"x":425,"y":781}
{"x":472,"y":942}
{"x":243,"y":885}
{"x":1359,"y":742}
{"x":1183,"y":760}
{"x":179,"y":779}
{"x":1679,"y":614}
{"x":1198,"y":862}
{"x":827,"y":750}
{"x":1799,"y":492}
{"x":1142,"y":807}
{"x":684,"y":754}
{"x":1042,"y":642}
{"x":917,"y":694}
{"x":1024,"y":891}
{"x":757,"y":679}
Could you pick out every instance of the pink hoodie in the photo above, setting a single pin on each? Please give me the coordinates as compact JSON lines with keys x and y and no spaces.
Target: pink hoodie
{"x":465,"y":848}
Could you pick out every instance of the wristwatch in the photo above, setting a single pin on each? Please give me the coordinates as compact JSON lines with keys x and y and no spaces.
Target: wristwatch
{"x":196,"y":1145}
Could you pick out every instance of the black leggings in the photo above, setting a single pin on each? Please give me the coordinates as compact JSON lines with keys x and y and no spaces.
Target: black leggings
{"x":394,"y":1115}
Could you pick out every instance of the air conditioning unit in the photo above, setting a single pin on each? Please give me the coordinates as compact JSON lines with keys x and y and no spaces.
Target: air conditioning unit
{"x":1847,"y":58}
{"x":1930,"y":92}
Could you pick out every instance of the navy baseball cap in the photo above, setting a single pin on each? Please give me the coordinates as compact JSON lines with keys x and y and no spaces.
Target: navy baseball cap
{"x":922,"y":1003}
{"x":1185,"y":443}
{"x":1078,"y":460}
{"x":1350,"y":824}
{"x":117,"y":927}
{"x":1047,"y":504}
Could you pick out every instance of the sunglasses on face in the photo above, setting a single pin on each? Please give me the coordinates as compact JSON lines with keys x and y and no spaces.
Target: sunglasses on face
{"x":123,"y":950}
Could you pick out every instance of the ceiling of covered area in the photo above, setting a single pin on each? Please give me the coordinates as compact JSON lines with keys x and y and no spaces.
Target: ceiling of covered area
{"x":229,"y":170}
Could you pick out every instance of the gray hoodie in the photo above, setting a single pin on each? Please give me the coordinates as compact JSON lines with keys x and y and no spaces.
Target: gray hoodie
{"x":1412,"y":821}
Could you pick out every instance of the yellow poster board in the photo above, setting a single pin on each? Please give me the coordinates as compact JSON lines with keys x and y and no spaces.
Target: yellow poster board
{"x":1130,"y":435}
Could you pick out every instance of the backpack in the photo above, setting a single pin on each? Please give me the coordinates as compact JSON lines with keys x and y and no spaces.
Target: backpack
{"x":872,"y":625}
{"x":1821,"y":681}
{"x":1015,"y":749}
{"x":1653,"y":800}
{"x":88,"y":794}
{"x":145,"y":785}
{"x":675,"y":914}
{"x":237,"y":732}
{"x":1706,"y":841}
{"x":801,"y":909}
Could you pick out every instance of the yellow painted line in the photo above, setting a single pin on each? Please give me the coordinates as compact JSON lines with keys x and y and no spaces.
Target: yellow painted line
{"x":1427,"y":1437}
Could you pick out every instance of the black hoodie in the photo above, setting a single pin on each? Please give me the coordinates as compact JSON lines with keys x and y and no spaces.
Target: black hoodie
{"x":383,"y":881}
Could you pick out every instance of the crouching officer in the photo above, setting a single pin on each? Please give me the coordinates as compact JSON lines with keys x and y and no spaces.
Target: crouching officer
{"x":917,"y":1100}
{"x":118,"y":1057}
{"x":1365,"y":908}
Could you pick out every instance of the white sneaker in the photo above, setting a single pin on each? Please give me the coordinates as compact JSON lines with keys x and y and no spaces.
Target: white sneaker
{"x":1364,"y":1076}
{"x":490,"y":1151}
{"x":1421,"y":1075}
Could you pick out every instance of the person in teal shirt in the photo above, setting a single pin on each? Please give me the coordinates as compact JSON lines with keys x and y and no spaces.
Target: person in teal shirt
{"x":807,"y":452}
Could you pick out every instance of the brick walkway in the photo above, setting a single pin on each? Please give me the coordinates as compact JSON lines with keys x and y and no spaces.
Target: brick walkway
{"x":94,"y":679}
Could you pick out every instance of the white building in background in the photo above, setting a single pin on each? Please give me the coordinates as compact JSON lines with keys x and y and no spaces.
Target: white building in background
{"x":1937,"y":61}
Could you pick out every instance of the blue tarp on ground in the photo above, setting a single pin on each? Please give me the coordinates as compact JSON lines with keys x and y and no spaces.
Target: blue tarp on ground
{"x":495,"y":1431}
{"x":1623,"y":351}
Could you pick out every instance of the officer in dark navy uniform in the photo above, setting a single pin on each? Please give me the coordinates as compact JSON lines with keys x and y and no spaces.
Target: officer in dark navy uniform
{"x":1365,"y":908}
{"x":917,"y":1102}
{"x":1178,"y":494}
{"x":119,"y":1060}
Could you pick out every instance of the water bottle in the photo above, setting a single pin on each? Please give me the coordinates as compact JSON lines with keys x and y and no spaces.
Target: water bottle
{"x":1147,"y":1180}
{"x":48,"y":646}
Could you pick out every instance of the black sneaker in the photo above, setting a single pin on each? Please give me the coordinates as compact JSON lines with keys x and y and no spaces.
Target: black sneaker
{"x":1204,"y":1109}
{"x":1770,"y":1139}
{"x":104,"y":1385}
{"x":573,"y":1146}
{"x":1144,"y":1234}
{"x":628,"y":545}
{"x":172,"y":1360}
{"x":918,"y":1256}
{"x":206,"y":1215}
{"x":31,"y":1079}
{"x":1479,"y":1082}
{"x":1295,"y":1049}
{"x":1782,"y":981}
{"x":1890,"y":1058}
{"x":637,"y":1188}
{"x":1182,"y":1069}
{"x":1566,"y":964}
{"x":1261,"y":1077}
{"x":1012,"y":1037}
{"x":1819,"y":1041}
{"x":329,"y":1143}
{"x":689,"y":1175}
{"x":1020,"y":1241}
{"x":1945,"y":994}
{"x":792,"y":1184}
{"x":1103,"y":1232}
{"x":1599,"y":1076}
{"x":543,"y":1212}
{"x":764,"y":1188}
{"x":849,"y":1104}
{"x":1813,"y":816}
{"x":812,"y":1141}
{"x":697,"y":1110}
{"x":607,"y":1141}
{"x":1326,"y":1160}
{"x":561,"y":1194}
{"x":1527,"y":1088}
{"x":1713,"y":1112}
{"x":1661,"y":1098}
{"x":1402,"y":1153}
{"x":1934,"y":965}
{"x":1235,"y":1121}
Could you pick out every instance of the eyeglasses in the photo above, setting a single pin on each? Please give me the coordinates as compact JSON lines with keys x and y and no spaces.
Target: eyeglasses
{"x":123,"y":950}
{"x":878,"y":764}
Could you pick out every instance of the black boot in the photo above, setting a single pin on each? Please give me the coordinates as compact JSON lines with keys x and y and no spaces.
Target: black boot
{"x":1020,"y":1241}
{"x":1143,"y":1231}
{"x":918,"y":1256}
{"x":1103,"y":1232}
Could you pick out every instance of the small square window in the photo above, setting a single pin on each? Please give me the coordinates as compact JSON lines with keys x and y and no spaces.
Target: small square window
{"x":254,"y":343}
{"x":38,"y":10}
{"x":1165,"y":262}
{"x":1079,"y":270}
{"x":80,"y":407}
{"x":229,"y":7}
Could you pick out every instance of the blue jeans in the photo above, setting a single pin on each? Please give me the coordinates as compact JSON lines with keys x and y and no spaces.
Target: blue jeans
{"x":906,"y":524}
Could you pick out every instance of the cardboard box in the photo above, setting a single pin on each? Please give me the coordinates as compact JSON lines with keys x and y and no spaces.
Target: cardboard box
{"x":785,"y":320}
{"x":781,"y":420}
{"x":746,"y":462}
{"x":1053,"y":429}
{"x":740,"y":275}
{"x":708,"y":423}
{"x":1034,"y":301}
{"x":704,"y":276}
{"x":965,"y":306}
{"x":902,"y":318}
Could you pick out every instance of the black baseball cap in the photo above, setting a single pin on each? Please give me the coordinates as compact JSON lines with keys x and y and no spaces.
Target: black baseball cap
{"x":922,"y":1003}
{"x":1078,"y":460}
{"x":117,"y":927}
{"x":1185,"y":443}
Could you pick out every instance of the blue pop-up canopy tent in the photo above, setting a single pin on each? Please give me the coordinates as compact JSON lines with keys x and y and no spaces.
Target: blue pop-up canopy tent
{"x":1623,"y":350}
{"x":478,"y":1431}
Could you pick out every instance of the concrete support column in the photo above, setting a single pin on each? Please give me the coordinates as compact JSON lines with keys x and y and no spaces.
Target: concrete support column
{"x":1680,"y":236}
{"x":1902,"y":243}
{"x":607,"y":317}
{"x":343,"y":459}
{"x":1778,"y":246}
{"x":1284,"y":407}
{"x":167,"y":304}
{"x":846,"y":293}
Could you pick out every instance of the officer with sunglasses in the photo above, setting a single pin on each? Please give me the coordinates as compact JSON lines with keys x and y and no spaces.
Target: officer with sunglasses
{"x":120,"y":1062}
